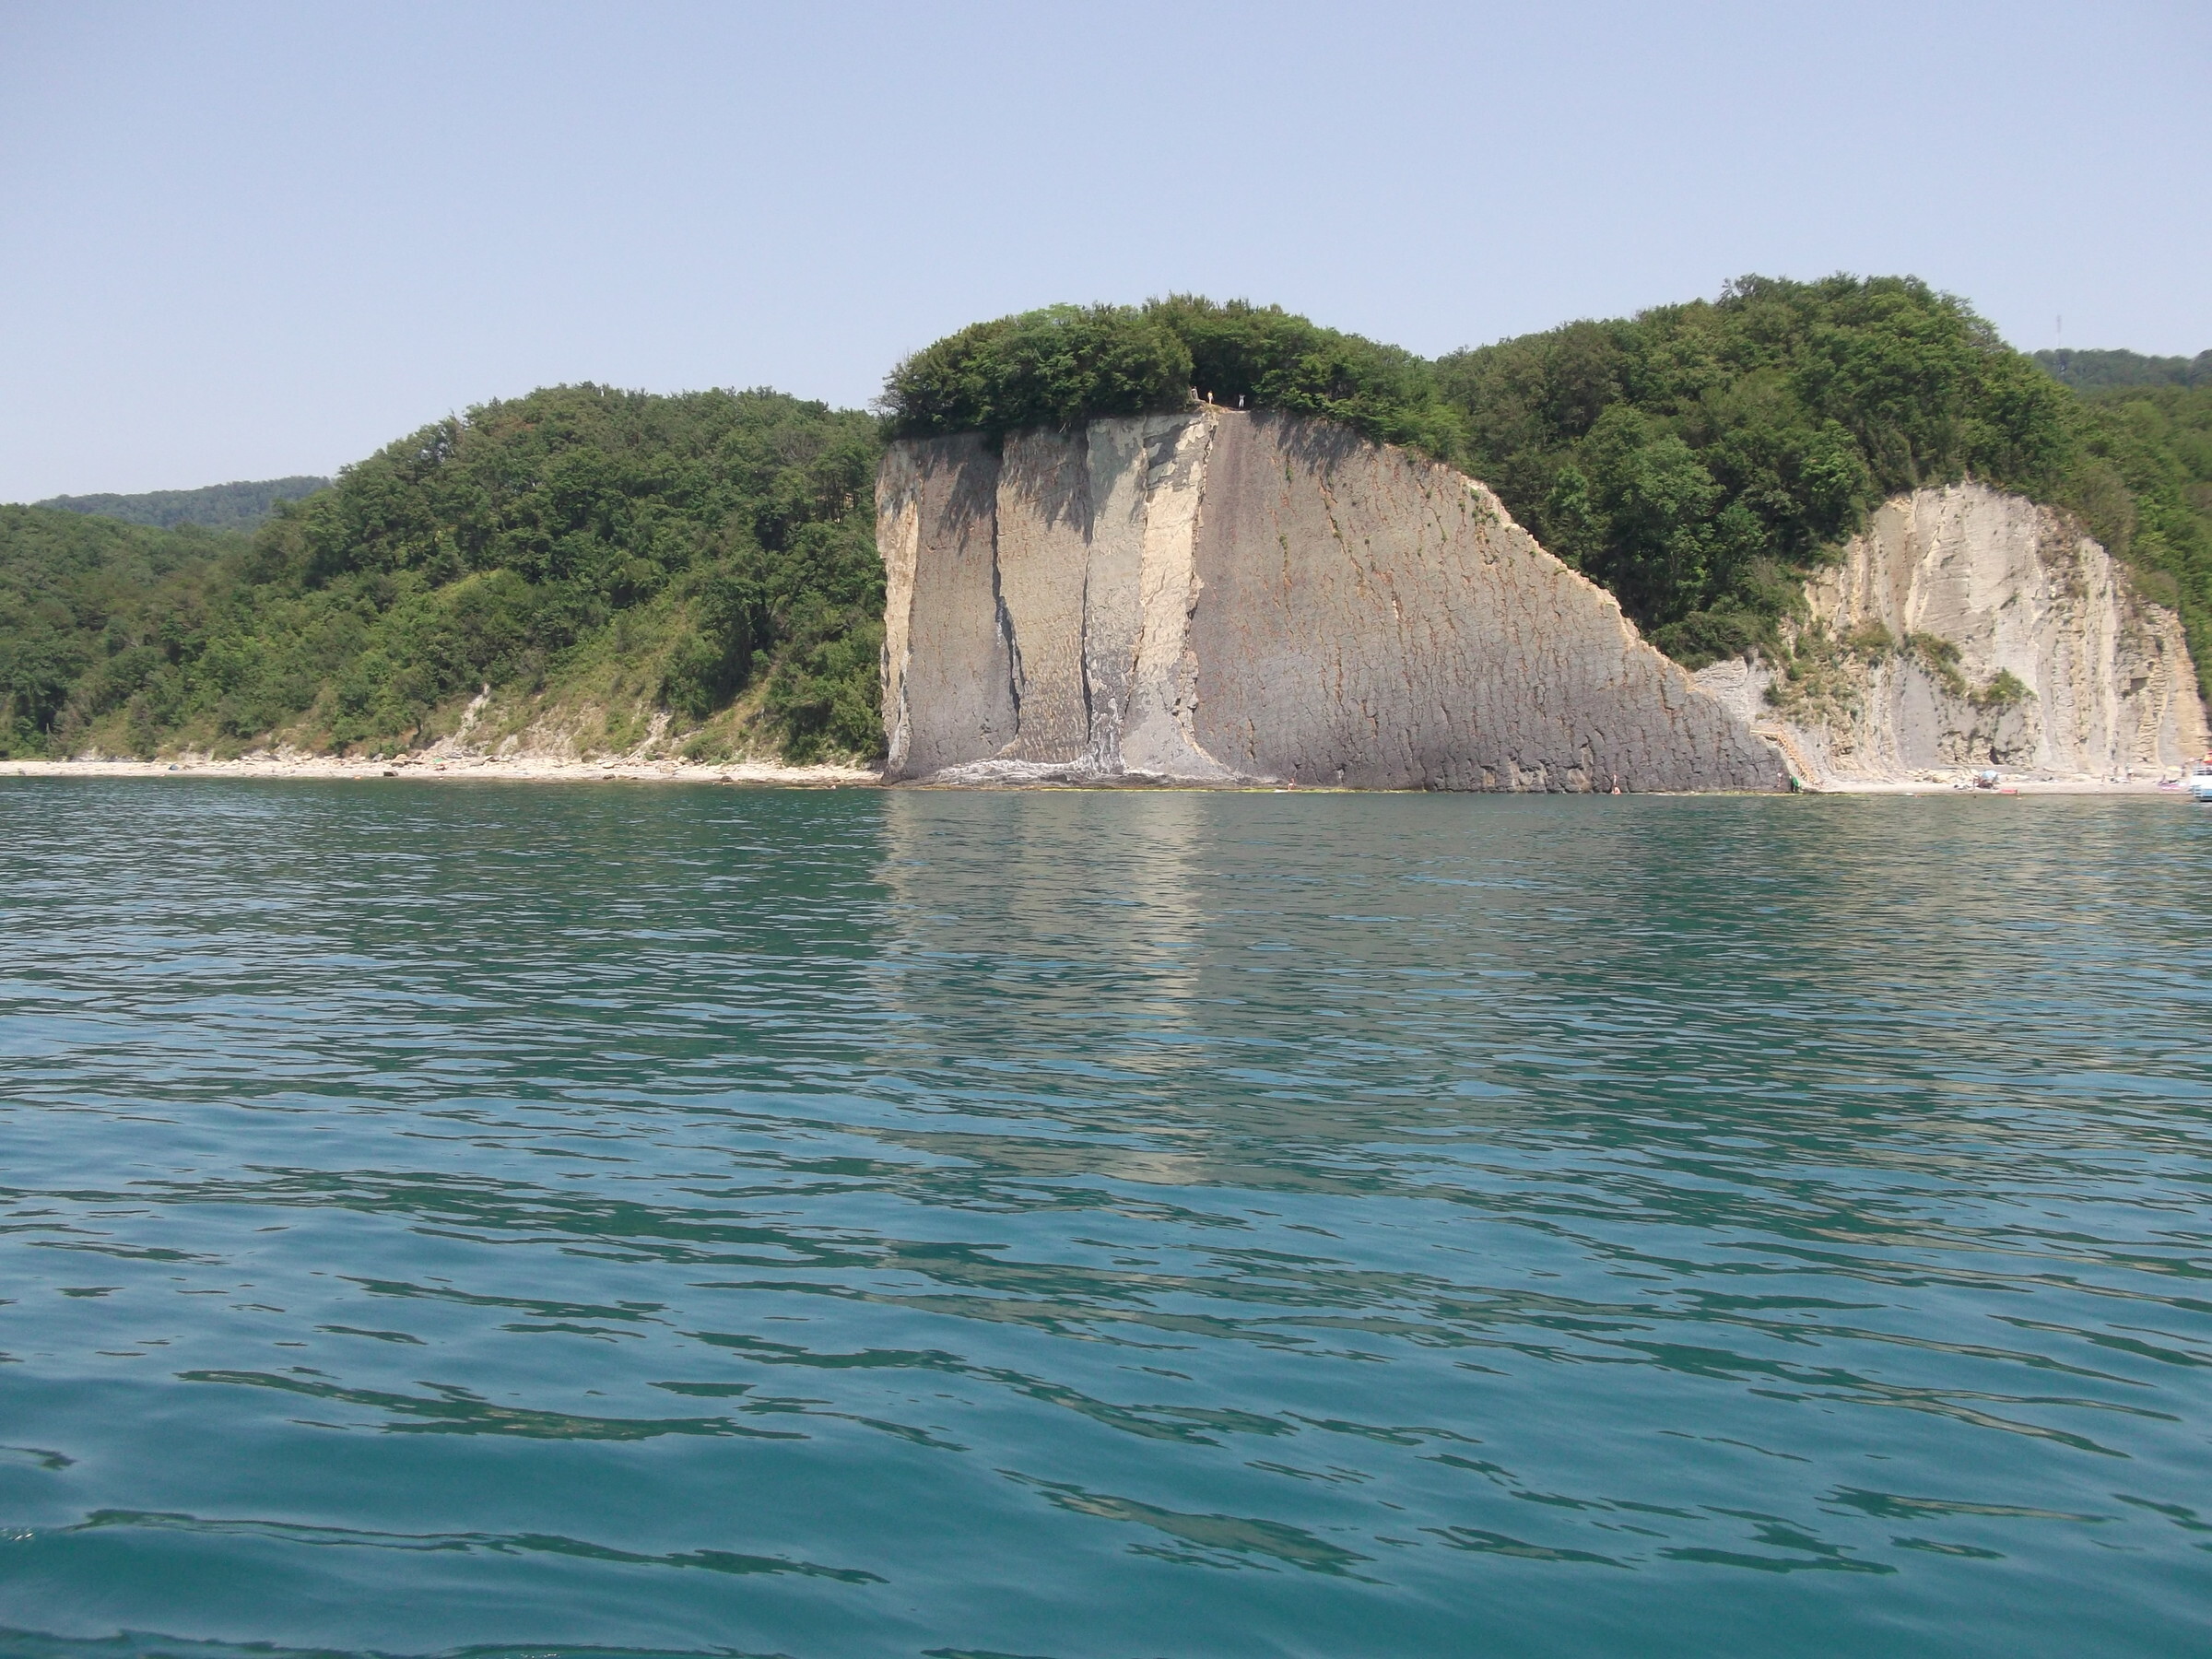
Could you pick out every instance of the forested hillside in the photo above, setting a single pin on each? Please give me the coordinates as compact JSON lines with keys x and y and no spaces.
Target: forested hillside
{"x":2102,"y":371}
{"x":2156,"y":440}
{"x":218,"y":507}
{"x":89,"y":609}
{"x":591,"y":556}
{"x":1697,"y":459}
{"x":613,"y":564}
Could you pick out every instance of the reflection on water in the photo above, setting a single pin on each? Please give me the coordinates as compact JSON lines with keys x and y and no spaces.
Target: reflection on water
{"x":1135,"y":917}
{"x":1087,"y":1224}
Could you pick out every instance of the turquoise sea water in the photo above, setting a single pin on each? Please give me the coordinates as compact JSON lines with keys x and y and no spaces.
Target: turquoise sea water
{"x":557,"y":1219}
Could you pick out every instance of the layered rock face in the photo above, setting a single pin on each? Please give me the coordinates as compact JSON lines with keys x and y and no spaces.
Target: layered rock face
{"x":1220,"y":597}
{"x":1970,"y":627}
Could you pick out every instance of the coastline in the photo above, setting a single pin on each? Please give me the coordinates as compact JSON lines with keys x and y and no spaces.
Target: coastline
{"x":2023,"y":786}
{"x":445,"y":769}
{"x":520,"y":768}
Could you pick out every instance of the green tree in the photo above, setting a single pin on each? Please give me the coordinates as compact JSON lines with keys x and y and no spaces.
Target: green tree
{"x":1068,"y":364}
{"x":673,"y":548}
{"x":1049,"y":368}
{"x":1700,"y":459}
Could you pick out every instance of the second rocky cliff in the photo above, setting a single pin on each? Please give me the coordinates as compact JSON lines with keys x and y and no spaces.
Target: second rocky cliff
{"x":1221,"y":597}
{"x":1967,"y":629}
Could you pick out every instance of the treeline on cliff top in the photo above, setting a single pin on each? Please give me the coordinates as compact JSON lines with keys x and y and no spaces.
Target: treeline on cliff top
{"x":1700,"y":459}
{"x":1070,"y":363}
{"x":239,"y":506}
{"x":1697,"y":459}
{"x":2106,"y":371}
{"x":709,"y":555}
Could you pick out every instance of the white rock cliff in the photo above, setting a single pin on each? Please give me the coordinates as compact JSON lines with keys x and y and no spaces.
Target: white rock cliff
{"x":1219,"y":597}
{"x":1968,"y":628}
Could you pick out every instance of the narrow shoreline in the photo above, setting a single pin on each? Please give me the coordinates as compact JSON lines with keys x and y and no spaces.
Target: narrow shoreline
{"x":443,"y":768}
{"x":2021,"y":786}
{"x":519,"y":768}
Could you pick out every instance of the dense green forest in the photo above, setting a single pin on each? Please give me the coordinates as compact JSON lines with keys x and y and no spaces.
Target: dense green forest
{"x":1697,"y":459}
{"x":2103,"y":371}
{"x":1068,"y":363}
{"x":578,"y":547}
{"x":2144,"y":483}
{"x":216,"y":506}
{"x":85,"y":603}
{"x":594,"y":555}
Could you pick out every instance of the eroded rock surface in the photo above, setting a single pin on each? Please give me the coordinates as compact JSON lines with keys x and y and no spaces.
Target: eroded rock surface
{"x":1221,"y":597}
{"x":1969,"y":627}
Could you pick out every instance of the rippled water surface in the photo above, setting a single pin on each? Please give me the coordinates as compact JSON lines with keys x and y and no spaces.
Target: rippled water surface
{"x":1083,"y":1225}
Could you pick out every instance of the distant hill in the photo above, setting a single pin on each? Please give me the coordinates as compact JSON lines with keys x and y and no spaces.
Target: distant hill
{"x":595,"y":558}
{"x":91,"y":609}
{"x":218,"y":507}
{"x":2100,"y":371}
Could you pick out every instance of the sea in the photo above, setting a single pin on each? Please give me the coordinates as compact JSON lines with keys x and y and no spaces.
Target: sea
{"x":483,"y":1219}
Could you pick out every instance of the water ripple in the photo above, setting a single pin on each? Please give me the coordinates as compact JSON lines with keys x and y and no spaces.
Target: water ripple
{"x":499,"y":1220}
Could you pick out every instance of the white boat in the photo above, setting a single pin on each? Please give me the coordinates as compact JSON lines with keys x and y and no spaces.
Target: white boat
{"x":2199,"y":782}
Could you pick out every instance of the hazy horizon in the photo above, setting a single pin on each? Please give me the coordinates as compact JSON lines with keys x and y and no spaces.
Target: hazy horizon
{"x":247,"y":242}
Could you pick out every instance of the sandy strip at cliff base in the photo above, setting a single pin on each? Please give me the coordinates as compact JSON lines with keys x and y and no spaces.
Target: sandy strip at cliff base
{"x":2025,"y":786}
{"x":454,"y":768}
{"x":530,"y":769}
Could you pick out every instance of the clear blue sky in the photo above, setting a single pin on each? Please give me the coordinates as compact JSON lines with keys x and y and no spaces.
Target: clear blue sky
{"x":241,"y":241}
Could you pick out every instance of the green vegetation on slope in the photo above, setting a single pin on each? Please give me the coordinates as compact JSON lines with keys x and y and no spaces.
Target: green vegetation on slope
{"x":610,"y":548}
{"x":1068,"y":363}
{"x":711,"y":556}
{"x":90,"y":609}
{"x":218,"y":507}
{"x":2102,"y":371}
{"x":1699,"y":460}
{"x":2143,"y":480}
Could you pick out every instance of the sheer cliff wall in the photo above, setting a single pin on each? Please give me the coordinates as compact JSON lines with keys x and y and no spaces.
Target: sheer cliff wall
{"x":1967,"y":627}
{"x":1221,"y":597}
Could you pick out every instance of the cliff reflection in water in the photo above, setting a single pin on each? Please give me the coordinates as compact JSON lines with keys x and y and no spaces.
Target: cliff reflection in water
{"x":1032,"y":909}
{"x":1170,"y":963}
{"x":1086,"y":1224}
